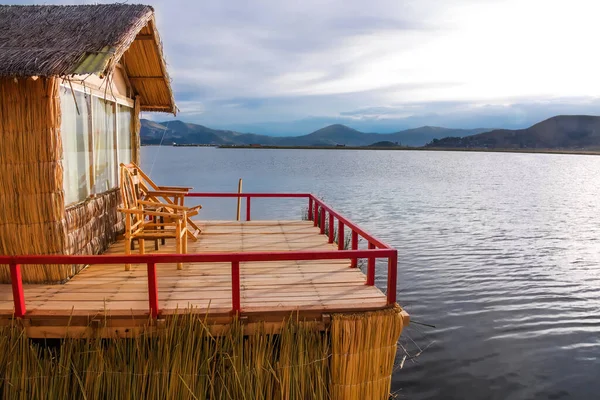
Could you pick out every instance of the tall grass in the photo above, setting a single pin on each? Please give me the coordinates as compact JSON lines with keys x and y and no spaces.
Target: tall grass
{"x":183,"y":361}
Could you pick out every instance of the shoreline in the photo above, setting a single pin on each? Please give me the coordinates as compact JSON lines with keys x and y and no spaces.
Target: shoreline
{"x":456,"y":149}
{"x":364,"y":148}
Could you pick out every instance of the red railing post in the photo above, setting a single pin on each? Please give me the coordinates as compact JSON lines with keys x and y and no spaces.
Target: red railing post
{"x":17,"y":289}
{"x":322,"y":221}
{"x":371,"y":268}
{"x":331,"y":232}
{"x":340,"y":235}
{"x":316,"y":214}
{"x":152,"y":290}
{"x":392,"y":278}
{"x":248,"y":208}
{"x":354,"y":247}
{"x":235,"y":287}
{"x":310,"y":208}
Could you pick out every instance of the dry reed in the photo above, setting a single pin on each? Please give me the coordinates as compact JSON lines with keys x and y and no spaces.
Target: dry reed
{"x":31,"y":183}
{"x":34,"y":218}
{"x":364,"y":347}
{"x":183,"y":360}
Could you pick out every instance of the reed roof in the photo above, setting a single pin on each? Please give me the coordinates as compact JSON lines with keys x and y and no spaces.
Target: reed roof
{"x":87,"y":39}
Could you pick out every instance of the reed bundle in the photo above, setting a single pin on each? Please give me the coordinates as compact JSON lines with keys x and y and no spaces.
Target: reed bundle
{"x":34,"y":218}
{"x":363,"y":351}
{"x":31,"y":178}
{"x":93,"y":225}
{"x":182,"y":361}
{"x":87,"y":39}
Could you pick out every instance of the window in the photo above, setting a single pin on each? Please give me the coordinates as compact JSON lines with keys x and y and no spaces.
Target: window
{"x":124,"y":133}
{"x":75,"y":134}
{"x":104,"y":161}
{"x":96,"y":136}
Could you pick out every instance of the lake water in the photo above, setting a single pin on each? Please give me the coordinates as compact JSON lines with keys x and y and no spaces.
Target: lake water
{"x":499,"y":251}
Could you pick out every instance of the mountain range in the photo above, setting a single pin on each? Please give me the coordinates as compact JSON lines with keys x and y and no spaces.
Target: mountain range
{"x":187,"y":133}
{"x":559,"y":132}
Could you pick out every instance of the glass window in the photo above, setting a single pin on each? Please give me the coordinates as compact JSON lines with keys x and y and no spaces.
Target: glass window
{"x":75,"y":124}
{"x":104,"y":160}
{"x":124,"y":133}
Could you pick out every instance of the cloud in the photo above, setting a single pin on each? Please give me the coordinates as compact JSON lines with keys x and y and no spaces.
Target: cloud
{"x":239,"y":63}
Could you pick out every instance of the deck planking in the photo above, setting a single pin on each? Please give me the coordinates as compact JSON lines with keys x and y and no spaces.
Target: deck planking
{"x":268,"y":289}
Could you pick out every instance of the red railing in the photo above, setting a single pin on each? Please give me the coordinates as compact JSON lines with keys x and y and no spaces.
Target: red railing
{"x":317,"y":211}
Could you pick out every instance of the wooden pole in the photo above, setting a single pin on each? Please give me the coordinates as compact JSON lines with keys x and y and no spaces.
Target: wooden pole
{"x":239,"y":203}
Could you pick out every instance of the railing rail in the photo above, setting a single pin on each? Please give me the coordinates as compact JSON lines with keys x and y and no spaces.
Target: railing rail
{"x":317,"y":211}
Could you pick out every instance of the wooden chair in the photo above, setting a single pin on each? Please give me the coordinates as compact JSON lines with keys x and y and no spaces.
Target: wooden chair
{"x":141,"y":221}
{"x":174,"y":195}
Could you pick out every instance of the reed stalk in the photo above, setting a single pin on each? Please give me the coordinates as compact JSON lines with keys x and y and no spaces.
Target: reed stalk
{"x":183,"y":360}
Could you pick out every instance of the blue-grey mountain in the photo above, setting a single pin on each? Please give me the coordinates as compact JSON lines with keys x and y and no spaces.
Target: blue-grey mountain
{"x":560,"y":132}
{"x":186,"y":133}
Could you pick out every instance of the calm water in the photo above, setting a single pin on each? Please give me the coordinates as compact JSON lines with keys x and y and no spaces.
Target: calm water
{"x":500,"y":252}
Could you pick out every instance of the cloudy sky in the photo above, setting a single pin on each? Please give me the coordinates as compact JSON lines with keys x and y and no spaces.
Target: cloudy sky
{"x":284,"y":67}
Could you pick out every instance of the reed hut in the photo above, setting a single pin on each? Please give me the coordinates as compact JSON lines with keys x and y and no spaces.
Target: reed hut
{"x":73,"y":80}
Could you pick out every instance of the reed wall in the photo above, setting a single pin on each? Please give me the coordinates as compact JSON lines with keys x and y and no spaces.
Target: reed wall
{"x":94,"y":224}
{"x":32,"y":220}
{"x":363,"y":348}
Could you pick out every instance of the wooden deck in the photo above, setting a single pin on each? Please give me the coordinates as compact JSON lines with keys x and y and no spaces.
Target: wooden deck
{"x":269,"y":290}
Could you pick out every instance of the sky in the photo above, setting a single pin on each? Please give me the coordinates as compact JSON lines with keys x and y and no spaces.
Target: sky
{"x":290,"y":67}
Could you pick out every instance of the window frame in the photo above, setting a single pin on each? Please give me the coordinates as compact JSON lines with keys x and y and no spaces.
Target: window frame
{"x":115,"y":101}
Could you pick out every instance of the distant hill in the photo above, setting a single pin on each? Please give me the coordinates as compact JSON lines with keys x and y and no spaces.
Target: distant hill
{"x":560,"y":132}
{"x":384,"y":143}
{"x":185,"y":133}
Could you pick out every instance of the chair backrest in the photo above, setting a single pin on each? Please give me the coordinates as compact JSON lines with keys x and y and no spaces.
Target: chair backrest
{"x":130,"y":191}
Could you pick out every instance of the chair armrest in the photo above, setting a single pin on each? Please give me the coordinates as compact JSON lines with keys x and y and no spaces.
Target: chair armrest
{"x":163,"y":205}
{"x":152,"y":213}
{"x":175,"y":188}
{"x":165,"y":193}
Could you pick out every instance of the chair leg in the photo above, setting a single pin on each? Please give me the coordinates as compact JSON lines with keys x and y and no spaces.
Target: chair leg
{"x":178,"y":247}
{"x":194,"y":227}
{"x":162,"y":228}
{"x":128,"y":252}
{"x":142,"y":244}
{"x":154,"y":220}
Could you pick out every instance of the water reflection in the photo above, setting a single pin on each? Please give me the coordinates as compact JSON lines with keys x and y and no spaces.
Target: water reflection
{"x":499,"y":251}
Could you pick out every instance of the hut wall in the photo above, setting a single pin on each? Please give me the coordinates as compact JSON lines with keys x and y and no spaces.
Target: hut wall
{"x":31,"y":177}
{"x":94,"y":224}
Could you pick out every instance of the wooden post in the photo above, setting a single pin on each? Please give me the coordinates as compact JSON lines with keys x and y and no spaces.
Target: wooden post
{"x":371,"y":268}
{"x":152,"y":290}
{"x":17,"y":289}
{"x":392,"y":278}
{"x":340,"y":235}
{"x":322,"y":221}
{"x":331,"y":232}
{"x":354,"y":263}
{"x":239,"y":202}
{"x":310,"y":208}
{"x":235,"y":287}
{"x":248,"y":208}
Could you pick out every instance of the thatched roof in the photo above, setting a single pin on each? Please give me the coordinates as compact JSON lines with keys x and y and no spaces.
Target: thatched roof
{"x":87,"y":39}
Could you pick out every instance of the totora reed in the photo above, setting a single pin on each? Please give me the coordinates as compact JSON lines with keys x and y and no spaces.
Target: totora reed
{"x":353,"y":359}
